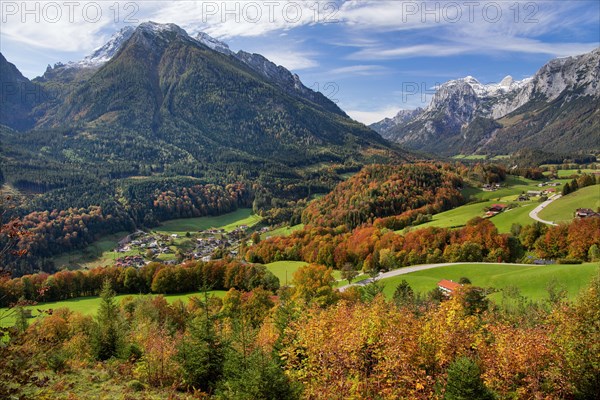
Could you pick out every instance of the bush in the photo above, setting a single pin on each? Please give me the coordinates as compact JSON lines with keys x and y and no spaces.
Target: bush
{"x":136,"y":385}
{"x":569,"y":261}
{"x":57,"y":361}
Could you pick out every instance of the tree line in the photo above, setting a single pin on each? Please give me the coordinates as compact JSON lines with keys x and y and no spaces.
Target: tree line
{"x":154,"y":277}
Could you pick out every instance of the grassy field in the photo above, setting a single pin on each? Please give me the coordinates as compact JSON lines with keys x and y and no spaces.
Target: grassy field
{"x":89,"y":305}
{"x":229,"y":222}
{"x":97,"y":254}
{"x":504,"y":221}
{"x":565,"y":173}
{"x":532,"y":280}
{"x":284,"y":270}
{"x":283,"y":231}
{"x":458,"y":216}
{"x":515,"y":186}
{"x":562,"y":209}
{"x":470,"y":157}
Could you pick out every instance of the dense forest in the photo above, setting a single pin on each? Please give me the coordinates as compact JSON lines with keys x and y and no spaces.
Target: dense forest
{"x":380,"y":191}
{"x":140,"y":203}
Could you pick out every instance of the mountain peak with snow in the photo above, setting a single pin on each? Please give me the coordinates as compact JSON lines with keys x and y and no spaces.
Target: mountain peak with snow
{"x":212,"y":43}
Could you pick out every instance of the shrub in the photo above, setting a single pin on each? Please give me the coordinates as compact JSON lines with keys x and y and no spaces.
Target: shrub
{"x":569,"y":261}
{"x":136,"y":385}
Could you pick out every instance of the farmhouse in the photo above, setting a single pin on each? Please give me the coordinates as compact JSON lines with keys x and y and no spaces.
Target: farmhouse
{"x":534,"y":192}
{"x":497,"y":207}
{"x":448,"y":287}
{"x":586,"y":213}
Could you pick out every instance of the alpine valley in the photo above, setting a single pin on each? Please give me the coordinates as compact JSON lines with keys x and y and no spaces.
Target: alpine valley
{"x":182,"y":221}
{"x":155,"y":110}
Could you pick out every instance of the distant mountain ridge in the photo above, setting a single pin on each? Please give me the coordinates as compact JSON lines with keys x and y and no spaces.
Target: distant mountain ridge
{"x":556,"y":109}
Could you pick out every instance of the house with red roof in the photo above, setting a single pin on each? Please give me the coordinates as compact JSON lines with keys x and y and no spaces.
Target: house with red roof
{"x":448,"y":287}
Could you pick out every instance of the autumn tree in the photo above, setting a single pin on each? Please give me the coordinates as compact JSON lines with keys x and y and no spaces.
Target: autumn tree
{"x":313,"y":283}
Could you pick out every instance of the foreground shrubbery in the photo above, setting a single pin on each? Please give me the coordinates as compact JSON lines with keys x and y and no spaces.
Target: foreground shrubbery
{"x":311,"y":342}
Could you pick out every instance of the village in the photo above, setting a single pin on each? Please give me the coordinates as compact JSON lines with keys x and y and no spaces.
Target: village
{"x":141,"y":247}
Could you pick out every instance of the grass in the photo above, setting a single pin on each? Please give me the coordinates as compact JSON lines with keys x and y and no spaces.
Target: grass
{"x":347,"y":175}
{"x":229,"y":222}
{"x":565,"y":173}
{"x":283,"y":231}
{"x":532,"y":280}
{"x":89,"y":305}
{"x":97,"y":254}
{"x":458,"y":216}
{"x":515,"y":186}
{"x":284,"y":270}
{"x":504,"y":221}
{"x":562,"y":209}
{"x":470,"y":157}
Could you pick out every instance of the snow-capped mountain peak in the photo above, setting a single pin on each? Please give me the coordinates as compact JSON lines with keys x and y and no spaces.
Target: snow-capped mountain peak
{"x":104,"y":53}
{"x":491,"y":89}
{"x":212,"y":43}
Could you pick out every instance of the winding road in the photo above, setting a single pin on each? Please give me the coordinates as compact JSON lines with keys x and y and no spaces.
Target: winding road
{"x":534,"y":213}
{"x":414,"y":268}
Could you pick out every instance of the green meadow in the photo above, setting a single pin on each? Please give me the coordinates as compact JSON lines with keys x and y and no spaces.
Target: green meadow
{"x":532,"y":280}
{"x":89,"y":305}
{"x":563,"y":209}
{"x":228,"y":222}
{"x":284,"y":270}
{"x":283,"y":231}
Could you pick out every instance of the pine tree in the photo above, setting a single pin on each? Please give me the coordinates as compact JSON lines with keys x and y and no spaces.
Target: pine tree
{"x":108,"y":338}
{"x":202,"y":353}
{"x":464,"y":381}
{"x":403,"y":294}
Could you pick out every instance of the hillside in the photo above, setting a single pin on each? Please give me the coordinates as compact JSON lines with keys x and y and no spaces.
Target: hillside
{"x":155,"y":113}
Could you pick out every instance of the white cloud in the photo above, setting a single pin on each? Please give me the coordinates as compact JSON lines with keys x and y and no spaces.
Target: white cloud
{"x":423,"y":50}
{"x":370,"y":117}
{"x":357,"y":70}
{"x":291,"y":60}
{"x":70,"y":26}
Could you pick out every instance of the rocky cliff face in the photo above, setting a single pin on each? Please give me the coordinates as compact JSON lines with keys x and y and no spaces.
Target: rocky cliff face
{"x":447,"y":126}
{"x":403,"y":116}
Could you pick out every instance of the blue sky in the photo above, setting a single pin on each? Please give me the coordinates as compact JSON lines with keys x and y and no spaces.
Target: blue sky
{"x":373,"y":57}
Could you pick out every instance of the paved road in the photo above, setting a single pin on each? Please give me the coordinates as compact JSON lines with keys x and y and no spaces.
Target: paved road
{"x":534,"y":213}
{"x":414,"y":268}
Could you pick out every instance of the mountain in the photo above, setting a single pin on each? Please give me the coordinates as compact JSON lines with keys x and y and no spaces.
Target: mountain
{"x":276,"y":74}
{"x":18,"y":97}
{"x":402,"y":117}
{"x":166,"y":85}
{"x":558,"y":109}
{"x":155,"y":103}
